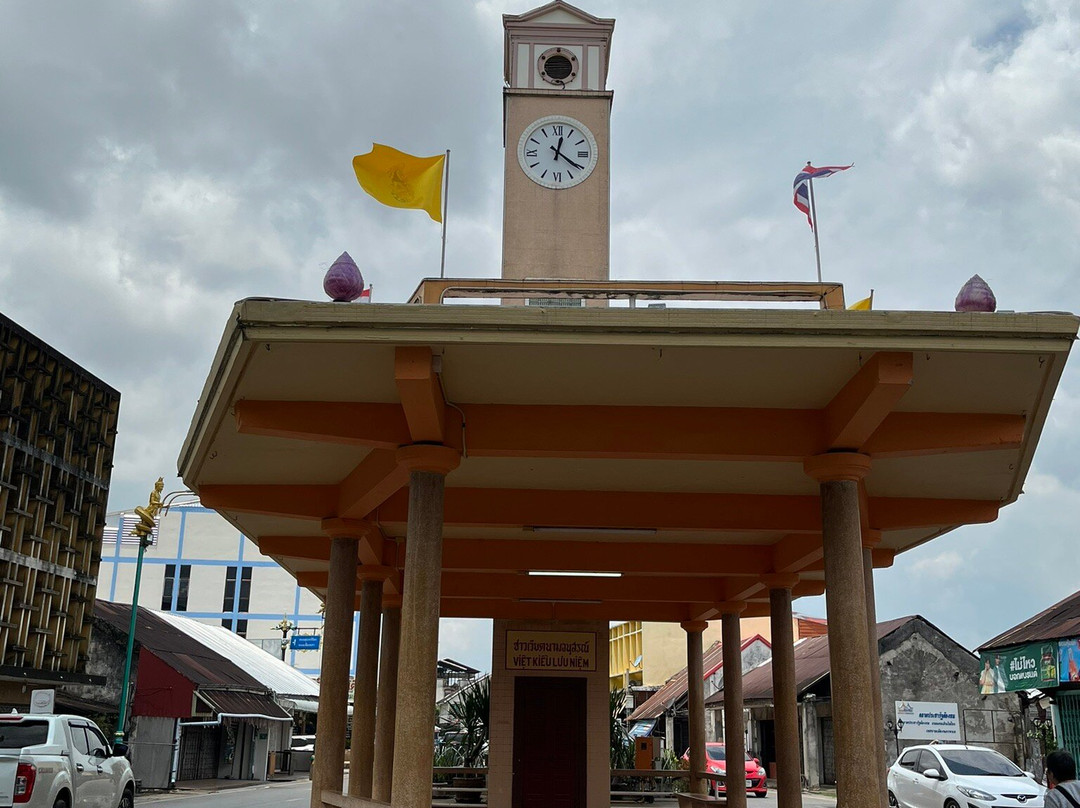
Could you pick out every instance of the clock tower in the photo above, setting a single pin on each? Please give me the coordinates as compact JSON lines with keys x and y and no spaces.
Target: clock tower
{"x":556,"y":112}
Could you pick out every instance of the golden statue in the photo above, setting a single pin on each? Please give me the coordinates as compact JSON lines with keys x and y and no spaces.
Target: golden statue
{"x":148,"y":515}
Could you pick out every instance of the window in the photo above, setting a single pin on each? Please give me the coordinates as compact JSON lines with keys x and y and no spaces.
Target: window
{"x":182,"y":589}
{"x":228,"y":602}
{"x":908,"y":760}
{"x":234,"y":601}
{"x":167,"y":589}
{"x":23,"y":733}
{"x":97,"y":742}
{"x":78,"y":738}
{"x":928,"y":760}
{"x":245,"y":590}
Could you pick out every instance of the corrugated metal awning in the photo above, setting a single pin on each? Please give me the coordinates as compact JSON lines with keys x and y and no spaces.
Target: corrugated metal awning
{"x":234,"y":702}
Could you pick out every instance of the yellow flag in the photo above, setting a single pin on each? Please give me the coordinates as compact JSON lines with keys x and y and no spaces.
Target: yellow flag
{"x":401,"y":180}
{"x":865,"y":304}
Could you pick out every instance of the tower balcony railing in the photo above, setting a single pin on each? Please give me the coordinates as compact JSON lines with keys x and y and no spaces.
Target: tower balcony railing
{"x":558,"y":290}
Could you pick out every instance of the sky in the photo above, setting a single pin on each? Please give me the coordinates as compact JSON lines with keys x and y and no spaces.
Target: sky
{"x":160,"y":160}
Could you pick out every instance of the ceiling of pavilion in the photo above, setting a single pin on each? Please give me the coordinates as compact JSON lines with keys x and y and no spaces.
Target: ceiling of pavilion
{"x":664,"y":444}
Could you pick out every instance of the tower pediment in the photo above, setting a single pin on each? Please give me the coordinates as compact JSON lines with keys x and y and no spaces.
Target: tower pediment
{"x":562,"y":28}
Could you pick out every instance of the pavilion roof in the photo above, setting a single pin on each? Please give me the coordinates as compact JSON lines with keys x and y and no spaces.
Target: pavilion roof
{"x":663,"y":444}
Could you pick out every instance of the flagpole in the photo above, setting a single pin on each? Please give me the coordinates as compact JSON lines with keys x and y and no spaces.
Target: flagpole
{"x":446,"y":204}
{"x":813,"y":216}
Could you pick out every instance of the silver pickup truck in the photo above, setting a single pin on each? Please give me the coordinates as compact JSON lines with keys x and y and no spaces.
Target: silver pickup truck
{"x":61,"y":761}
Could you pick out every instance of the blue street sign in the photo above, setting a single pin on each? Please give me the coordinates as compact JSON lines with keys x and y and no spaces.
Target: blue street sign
{"x":304,"y":642}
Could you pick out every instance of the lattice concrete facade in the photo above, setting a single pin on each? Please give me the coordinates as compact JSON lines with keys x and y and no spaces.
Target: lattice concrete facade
{"x":57,"y":432}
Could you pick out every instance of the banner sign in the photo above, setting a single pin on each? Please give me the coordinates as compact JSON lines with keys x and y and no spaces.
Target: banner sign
{"x":304,"y":642}
{"x":928,"y":719}
{"x":550,"y":651}
{"x":42,"y":702}
{"x":1069,"y":660}
{"x":1024,"y":667}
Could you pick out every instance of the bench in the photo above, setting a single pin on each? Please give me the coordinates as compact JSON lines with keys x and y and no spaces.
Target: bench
{"x":687,"y":800}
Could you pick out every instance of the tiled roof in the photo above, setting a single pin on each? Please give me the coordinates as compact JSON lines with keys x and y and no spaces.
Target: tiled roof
{"x":1059,"y":622}
{"x":811,"y":664}
{"x":675,"y":688}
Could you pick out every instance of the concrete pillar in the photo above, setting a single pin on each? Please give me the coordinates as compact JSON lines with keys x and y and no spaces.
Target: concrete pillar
{"x":362,"y":750}
{"x":811,"y":734}
{"x":734,"y":722}
{"x":849,"y":644}
{"x":414,"y":743}
{"x":870,"y":538}
{"x":328,"y":768}
{"x":785,"y":706}
{"x":695,"y":690}
{"x":386,"y":711}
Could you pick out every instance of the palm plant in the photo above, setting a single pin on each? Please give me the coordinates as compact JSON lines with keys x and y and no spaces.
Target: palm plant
{"x":472,"y":711}
{"x":622,"y":747}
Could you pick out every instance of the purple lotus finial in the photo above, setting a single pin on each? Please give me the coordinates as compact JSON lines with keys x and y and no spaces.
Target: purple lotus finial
{"x":343,"y":281}
{"x":976,"y":295}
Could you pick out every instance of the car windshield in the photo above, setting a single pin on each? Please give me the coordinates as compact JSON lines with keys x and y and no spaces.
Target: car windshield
{"x":717,"y":753}
{"x":979,"y":762}
{"x":25,"y":733}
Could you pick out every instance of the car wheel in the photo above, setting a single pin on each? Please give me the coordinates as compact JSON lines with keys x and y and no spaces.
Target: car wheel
{"x":762,"y":794}
{"x":60,"y":803}
{"x":951,"y":804}
{"x":127,"y":800}
{"x":892,"y":801}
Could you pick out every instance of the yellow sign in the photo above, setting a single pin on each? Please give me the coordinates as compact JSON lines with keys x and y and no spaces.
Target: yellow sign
{"x":550,"y":651}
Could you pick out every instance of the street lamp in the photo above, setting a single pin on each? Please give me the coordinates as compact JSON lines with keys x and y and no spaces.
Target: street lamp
{"x":895,"y":730}
{"x":285,"y":626}
{"x":143,"y":531}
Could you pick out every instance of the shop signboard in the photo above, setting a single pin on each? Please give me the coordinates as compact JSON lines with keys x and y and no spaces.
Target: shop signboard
{"x":1022,"y":667}
{"x":550,"y":651}
{"x":928,"y":720}
{"x":1069,"y":659}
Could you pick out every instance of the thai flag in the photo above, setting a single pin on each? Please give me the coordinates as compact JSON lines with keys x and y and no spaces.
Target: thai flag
{"x":802,"y":185}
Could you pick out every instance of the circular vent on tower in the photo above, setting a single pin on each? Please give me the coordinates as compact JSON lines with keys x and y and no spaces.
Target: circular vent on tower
{"x":557,"y":66}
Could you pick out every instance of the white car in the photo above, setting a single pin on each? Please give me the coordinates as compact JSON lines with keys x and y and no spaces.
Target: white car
{"x":958,"y":776}
{"x":61,"y":761}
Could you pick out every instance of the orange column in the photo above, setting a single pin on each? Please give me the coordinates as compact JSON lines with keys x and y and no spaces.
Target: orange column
{"x":695,"y":691}
{"x":849,"y":645}
{"x":413,"y":739}
{"x":328,"y":768}
{"x":734,"y":722}
{"x":785,"y":706}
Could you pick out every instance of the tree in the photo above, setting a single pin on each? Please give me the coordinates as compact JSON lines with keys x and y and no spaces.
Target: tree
{"x":472,"y":710}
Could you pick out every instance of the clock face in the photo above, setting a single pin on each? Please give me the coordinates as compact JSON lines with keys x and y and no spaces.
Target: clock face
{"x":557,"y":152}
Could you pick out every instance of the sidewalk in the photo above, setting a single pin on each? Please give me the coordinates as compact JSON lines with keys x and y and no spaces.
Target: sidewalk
{"x":192,"y":787}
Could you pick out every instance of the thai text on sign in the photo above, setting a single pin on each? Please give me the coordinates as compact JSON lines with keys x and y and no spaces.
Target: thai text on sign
{"x":550,"y":651}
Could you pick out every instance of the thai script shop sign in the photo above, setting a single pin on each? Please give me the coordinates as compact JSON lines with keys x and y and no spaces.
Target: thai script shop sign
{"x":550,"y":651}
{"x":1024,"y":667}
{"x":928,"y":719}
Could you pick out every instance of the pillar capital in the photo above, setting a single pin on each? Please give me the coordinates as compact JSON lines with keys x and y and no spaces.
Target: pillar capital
{"x":391,"y":601}
{"x":731,"y":607}
{"x":432,"y":457}
{"x":780,"y":580}
{"x":698,"y":626}
{"x":337,"y":528}
{"x":871,"y":538}
{"x":833,"y":466}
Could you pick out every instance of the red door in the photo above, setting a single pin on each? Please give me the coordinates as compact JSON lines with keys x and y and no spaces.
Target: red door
{"x":549,"y":742}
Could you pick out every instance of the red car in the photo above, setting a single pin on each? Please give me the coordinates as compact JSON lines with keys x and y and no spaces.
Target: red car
{"x":716,"y":763}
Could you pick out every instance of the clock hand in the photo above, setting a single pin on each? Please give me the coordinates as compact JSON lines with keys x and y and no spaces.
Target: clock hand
{"x":559,"y":154}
